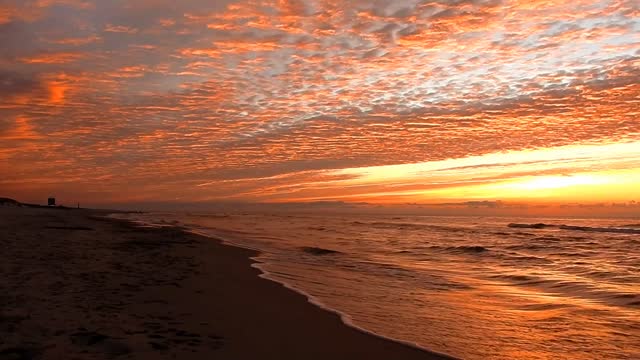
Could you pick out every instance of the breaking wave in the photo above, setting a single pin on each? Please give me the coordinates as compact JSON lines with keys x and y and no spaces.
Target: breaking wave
{"x":624,"y":229}
{"x":600,"y":229}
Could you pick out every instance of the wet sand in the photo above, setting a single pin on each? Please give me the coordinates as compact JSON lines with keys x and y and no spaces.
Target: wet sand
{"x":74,"y":285}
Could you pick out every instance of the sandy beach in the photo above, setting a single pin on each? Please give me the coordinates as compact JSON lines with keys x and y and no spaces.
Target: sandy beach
{"x":78,"y":286}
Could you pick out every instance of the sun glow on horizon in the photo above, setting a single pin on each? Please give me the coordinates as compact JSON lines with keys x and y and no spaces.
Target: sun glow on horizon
{"x":555,"y":182}
{"x":586,"y":173}
{"x":593,"y":187}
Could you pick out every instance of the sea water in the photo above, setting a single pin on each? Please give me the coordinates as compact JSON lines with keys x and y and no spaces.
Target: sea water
{"x":470,"y":287}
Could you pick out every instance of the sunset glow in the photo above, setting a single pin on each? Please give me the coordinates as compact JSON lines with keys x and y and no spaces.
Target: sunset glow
{"x":278,"y":179}
{"x":387,"y":102}
{"x":555,"y":182}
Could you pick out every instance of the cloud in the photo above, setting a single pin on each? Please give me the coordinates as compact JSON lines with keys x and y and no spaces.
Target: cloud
{"x":195,"y":92}
{"x":13,"y":84}
{"x":120,"y":29}
{"x":477,"y":204}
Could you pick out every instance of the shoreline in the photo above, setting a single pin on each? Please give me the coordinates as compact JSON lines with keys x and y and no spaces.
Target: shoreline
{"x":264,"y":274}
{"x":86,"y":286}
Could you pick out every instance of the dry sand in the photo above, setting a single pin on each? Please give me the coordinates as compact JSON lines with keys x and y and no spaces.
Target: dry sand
{"x":76,"y":286}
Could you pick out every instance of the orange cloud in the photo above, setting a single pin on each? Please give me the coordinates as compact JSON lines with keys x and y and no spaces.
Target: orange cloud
{"x":53,"y":58}
{"x":77,"y":41}
{"x":120,"y":29}
{"x":57,"y":90}
{"x":21,"y":130}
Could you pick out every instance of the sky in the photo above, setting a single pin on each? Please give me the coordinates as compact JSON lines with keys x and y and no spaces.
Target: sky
{"x":474,"y":102}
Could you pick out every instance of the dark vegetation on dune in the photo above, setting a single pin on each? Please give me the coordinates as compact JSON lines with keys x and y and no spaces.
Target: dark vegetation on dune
{"x":8,"y":202}
{"x":11,"y":202}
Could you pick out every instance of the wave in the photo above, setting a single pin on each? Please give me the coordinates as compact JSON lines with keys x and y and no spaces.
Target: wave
{"x":575,"y":289}
{"x":515,"y":278}
{"x":410,"y":226}
{"x":525,"y":234}
{"x":318,"y":250}
{"x":475,"y":249}
{"x":211,"y":216}
{"x":471,"y":249}
{"x":530,"y":226}
{"x":600,"y":229}
{"x":625,"y":229}
{"x":545,"y":307}
{"x":514,"y":257}
{"x":317,"y":228}
{"x":545,"y":238}
{"x":528,"y":247}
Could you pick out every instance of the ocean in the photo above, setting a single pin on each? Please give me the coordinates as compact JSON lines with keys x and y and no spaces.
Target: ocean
{"x":470,"y":287}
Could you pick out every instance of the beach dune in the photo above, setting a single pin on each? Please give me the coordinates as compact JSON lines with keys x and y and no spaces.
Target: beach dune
{"x":75,"y":285}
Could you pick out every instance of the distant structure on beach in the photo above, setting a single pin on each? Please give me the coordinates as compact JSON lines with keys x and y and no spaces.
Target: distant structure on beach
{"x":51,"y":201}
